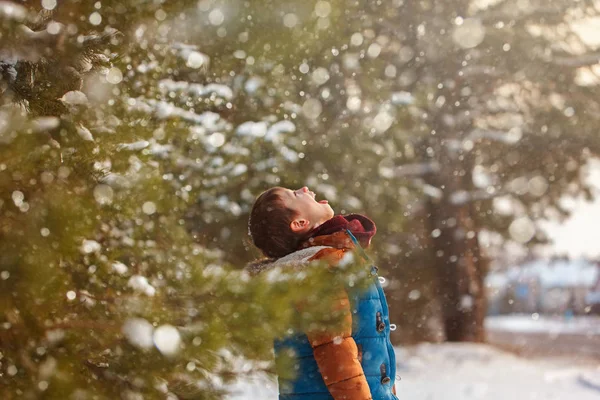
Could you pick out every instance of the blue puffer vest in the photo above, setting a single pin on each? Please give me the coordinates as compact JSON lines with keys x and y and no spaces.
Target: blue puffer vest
{"x":371,"y":332}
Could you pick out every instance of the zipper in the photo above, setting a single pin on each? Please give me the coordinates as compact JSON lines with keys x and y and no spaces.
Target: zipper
{"x":379,"y":324}
{"x":384,"y":378}
{"x":382,"y":299}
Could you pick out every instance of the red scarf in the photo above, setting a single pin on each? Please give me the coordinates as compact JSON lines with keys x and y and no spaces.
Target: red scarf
{"x":361,"y":227}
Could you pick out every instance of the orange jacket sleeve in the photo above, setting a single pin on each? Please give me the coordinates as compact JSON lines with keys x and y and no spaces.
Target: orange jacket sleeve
{"x":335,"y":350}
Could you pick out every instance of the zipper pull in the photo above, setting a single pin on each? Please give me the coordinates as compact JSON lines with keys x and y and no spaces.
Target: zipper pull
{"x":380,"y":325}
{"x":384,"y":378}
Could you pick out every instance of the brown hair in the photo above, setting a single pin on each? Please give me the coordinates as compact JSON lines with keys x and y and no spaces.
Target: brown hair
{"x":269,"y":225}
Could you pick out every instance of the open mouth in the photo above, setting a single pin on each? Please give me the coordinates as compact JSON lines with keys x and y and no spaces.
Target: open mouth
{"x":320,"y":201}
{"x":314,"y":196}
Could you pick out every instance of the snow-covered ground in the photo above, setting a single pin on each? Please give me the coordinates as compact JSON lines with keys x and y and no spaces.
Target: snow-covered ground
{"x":470,"y":371}
{"x":577,"y":338}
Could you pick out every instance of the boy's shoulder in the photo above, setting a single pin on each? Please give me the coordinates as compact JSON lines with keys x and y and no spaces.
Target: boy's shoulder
{"x":299,"y":257}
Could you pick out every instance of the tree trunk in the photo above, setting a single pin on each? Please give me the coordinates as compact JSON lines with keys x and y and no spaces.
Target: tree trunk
{"x":460,"y":272}
{"x":459,"y":264}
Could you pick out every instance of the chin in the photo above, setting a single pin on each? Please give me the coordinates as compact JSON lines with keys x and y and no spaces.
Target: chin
{"x":330,"y":211}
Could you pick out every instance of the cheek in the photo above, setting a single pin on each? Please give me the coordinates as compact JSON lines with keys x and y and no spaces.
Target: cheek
{"x":303,"y":206}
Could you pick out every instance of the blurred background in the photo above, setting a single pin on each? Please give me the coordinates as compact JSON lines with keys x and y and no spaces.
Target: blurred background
{"x":136,"y":134}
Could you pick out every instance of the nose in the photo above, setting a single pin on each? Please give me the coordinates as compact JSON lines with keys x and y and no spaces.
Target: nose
{"x":303,"y":189}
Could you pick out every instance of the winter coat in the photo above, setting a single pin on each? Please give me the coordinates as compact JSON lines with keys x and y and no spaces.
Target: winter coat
{"x":356,"y":362}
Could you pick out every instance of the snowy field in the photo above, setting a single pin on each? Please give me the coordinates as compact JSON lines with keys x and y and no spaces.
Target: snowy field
{"x":577,"y":338}
{"x":471,"y":371}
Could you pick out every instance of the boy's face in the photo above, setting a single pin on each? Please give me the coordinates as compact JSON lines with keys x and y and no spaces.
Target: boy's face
{"x":310,"y":213}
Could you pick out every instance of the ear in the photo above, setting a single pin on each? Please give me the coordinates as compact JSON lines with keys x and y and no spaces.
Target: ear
{"x":299,"y":225}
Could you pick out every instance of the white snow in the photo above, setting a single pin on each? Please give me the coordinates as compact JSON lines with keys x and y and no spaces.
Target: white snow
{"x":312,"y":108}
{"x":195,"y":89}
{"x":167,"y":339}
{"x":140,"y":284}
{"x":190,"y":54}
{"x":138,"y":332}
{"x":239,"y":169}
{"x":432,"y":191}
{"x":470,"y":371}
{"x":116,"y":180}
{"x":382,"y":121}
{"x":466,"y":371}
{"x":253,"y":129}
{"x":42,"y":124}
{"x":145,"y":67}
{"x":90,"y":246}
{"x":139,"y":145}
{"x":195,"y":59}
{"x":253,"y":84}
{"x":320,"y":76}
{"x":103,"y":194}
{"x":18,"y":197}
{"x":158,"y":149}
{"x":149,"y":207}
{"x":261,"y":129}
{"x":469,"y":33}
{"x":120,"y":268}
{"x":460,"y":197}
{"x":402,"y":98}
{"x":74,"y":97}
{"x":84,"y":133}
{"x":278,"y":128}
{"x":288,"y":154}
{"x":165,"y":110}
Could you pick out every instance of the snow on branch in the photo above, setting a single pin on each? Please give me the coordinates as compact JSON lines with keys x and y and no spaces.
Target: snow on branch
{"x":261,"y":129}
{"x":195,"y":89}
{"x":192,"y":56}
{"x":165,"y":110}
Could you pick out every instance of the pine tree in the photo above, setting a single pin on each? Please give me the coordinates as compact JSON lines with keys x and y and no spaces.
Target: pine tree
{"x":103,"y":290}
